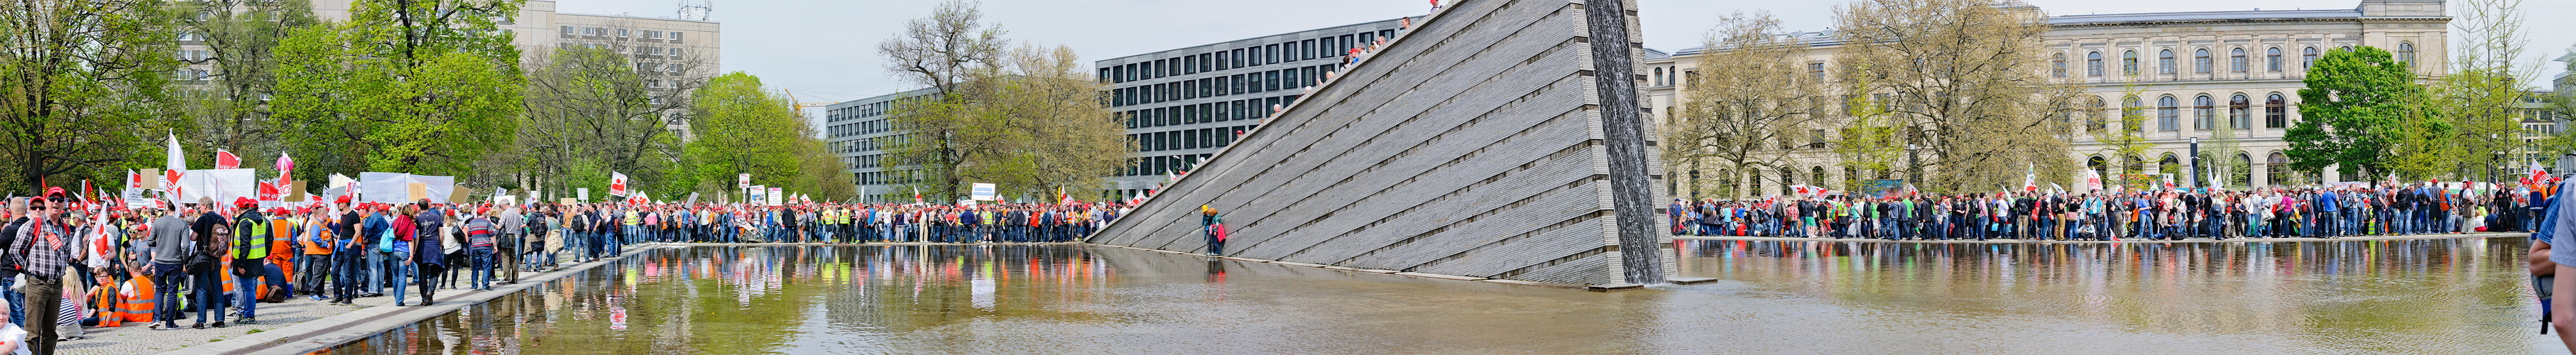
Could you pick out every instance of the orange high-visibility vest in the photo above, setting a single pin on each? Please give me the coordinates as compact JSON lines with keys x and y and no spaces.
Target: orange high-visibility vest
{"x":136,"y":307}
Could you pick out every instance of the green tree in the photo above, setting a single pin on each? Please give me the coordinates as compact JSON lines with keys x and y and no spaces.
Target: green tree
{"x":240,"y":38}
{"x":404,"y":86}
{"x":943,"y":51}
{"x":1964,"y":83}
{"x":1029,"y":120}
{"x":1056,"y":129}
{"x":2354,"y":103}
{"x":1749,"y":104}
{"x":589,"y":104}
{"x":745,"y":127}
{"x":82,"y":89}
{"x":2482,"y":98}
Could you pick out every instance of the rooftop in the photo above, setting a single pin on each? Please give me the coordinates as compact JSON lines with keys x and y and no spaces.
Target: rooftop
{"x":2204,"y":16}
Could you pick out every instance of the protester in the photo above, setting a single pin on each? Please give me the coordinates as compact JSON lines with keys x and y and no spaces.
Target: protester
{"x":2342,"y":210}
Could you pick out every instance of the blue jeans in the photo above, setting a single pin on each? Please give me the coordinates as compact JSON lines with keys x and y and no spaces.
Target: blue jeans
{"x":208,"y":292}
{"x":167,"y":280}
{"x":481,"y":277}
{"x":397,"y":267}
{"x":346,"y":276}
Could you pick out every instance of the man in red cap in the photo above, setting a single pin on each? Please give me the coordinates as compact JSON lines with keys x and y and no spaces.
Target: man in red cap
{"x":45,"y":247}
{"x":479,"y":245}
{"x":249,"y":249}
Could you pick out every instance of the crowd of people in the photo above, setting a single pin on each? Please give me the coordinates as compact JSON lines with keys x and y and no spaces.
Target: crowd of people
{"x":211,"y":263}
{"x":2172,"y":214}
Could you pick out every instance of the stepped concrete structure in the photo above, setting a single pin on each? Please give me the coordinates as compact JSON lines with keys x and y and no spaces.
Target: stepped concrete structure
{"x":1496,"y":139}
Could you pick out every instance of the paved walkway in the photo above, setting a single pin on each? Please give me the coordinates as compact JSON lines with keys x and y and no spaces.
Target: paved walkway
{"x":303,"y":325}
{"x":2191,"y":240}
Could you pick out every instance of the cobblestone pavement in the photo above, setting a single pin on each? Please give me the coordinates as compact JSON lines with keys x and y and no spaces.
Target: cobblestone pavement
{"x":138,"y":338}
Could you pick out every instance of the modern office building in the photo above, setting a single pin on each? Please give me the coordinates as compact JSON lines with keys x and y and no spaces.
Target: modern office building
{"x":858,"y":131}
{"x":2197,"y":76}
{"x":1182,"y":105}
{"x":670,"y":54}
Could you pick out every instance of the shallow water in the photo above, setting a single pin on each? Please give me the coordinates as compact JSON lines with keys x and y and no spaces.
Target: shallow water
{"x":2419,"y":296}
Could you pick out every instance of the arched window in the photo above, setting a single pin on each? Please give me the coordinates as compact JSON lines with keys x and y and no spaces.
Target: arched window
{"x":1659,"y":77}
{"x":2236,"y":60}
{"x":2276,"y":169}
{"x":2057,"y":65}
{"x":1754,"y":177}
{"x":2200,"y":61}
{"x":2272,"y":59}
{"x":1816,"y":176}
{"x":2171,"y":165}
{"x":2406,"y":53}
{"x":2165,"y":62}
{"x":2276,"y":112}
{"x":2168,"y":114}
{"x":2093,"y":114}
{"x":2132,"y":115}
{"x":2129,"y":63}
{"x":2093,"y":64}
{"x":2241,"y":173}
{"x":2203,"y":110}
{"x":2240,"y":112}
{"x":2136,"y":165}
{"x":2099,"y":167}
{"x":1788,"y":176}
{"x":2307,"y":58}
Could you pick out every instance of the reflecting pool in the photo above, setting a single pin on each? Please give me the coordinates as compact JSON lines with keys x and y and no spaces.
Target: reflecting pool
{"x":2415,"y":296}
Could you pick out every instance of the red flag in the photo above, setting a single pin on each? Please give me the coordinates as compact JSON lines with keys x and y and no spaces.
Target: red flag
{"x":225,"y":159}
{"x":268,"y":191}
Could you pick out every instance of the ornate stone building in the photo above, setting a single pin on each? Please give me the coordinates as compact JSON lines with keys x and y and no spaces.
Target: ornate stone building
{"x":2227,"y":79}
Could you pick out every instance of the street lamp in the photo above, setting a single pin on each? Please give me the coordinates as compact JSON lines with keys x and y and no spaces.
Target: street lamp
{"x":2194,"y":167}
{"x":1913,"y":162}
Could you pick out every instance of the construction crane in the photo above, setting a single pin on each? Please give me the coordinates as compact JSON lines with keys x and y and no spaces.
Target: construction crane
{"x":800,"y":105}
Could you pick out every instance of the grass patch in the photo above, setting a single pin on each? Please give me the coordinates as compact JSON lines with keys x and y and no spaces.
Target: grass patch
{"x":252,"y":331}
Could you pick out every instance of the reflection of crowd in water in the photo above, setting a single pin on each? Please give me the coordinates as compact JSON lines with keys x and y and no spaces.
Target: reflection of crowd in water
{"x":618,"y":306}
{"x":2322,"y":212}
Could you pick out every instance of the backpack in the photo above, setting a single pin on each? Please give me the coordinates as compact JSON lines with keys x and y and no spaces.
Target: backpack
{"x":385,"y":241}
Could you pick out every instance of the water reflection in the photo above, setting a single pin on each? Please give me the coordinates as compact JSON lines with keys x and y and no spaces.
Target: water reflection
{"x":2431,"y":296}
{"x":2407,"y":296}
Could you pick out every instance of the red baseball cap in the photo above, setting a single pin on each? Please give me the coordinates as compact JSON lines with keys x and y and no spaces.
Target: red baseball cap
{"x":243,"y":202}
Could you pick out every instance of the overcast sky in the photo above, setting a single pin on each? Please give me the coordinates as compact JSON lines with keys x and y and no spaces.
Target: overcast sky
{"x":825,"y":51}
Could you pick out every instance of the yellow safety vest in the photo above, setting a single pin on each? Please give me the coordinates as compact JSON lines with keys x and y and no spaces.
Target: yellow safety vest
{"x":250,"y":239}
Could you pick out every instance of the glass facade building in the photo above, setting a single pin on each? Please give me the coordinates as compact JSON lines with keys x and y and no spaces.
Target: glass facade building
{"x":1183,"y":105}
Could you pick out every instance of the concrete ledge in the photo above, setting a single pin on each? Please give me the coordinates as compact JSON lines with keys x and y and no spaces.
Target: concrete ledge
{"x":1536,"y":283}
{"x":329,"y":332}
{"x":1691,"y":280}
{"x":1439,"y":276}
{"x":1614,"y":287}
{"x":1380,"y":271}
{"x":1292,"y":263}
{"x":1343,"y":268}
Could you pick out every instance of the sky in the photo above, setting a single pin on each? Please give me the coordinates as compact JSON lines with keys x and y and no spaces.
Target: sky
{"x":825,"y":51}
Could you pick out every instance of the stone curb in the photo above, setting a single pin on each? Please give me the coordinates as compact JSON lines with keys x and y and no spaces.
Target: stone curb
{"x":328,"y":332}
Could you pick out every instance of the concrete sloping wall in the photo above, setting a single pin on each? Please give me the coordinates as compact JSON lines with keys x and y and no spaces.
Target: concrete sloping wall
{"x":1472,"y":145}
